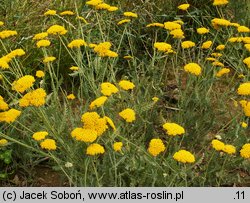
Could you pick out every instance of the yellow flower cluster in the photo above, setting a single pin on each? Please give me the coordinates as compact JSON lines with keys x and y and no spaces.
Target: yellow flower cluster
{"x":220,"y":146}
{"x":98,"y":102}
{"x":7,"y":33}
{"x":220,"y":2}
{"x":184,"y":7}
{"x":117,"y":146}
{"x":40,"y":74}
{"x":222,"y":72}
{"x":74,"y":68}
{"x":206,"y":45}
{"x":155,"y":25}
{"x":100,"y":5}
{"x":156,"y":146}
{"x":244,"y":89}
{"x":202,"y":30}
{"x":56,"y":30}
{"x":220,"y":47}
{"x":3,"y":142}
{"x":187,"y":44}
{"x":84,"y":135}
{"x":1,"y":23}
{"x":108,"y":89}
{"x":95,"y":149}
{"x":23,"y":83}
{"x":163,"y":47}
{"x":77,"y":43}
{"x":245,"y":151}
{"x":9,"y":116}
{"x":193,"y":68}
{"x":4,"y":61}
{"x":48,"y":59}
{"x":123,"y":21}
{"x":130,"y":14}
{"x":34,"y":98}
{"x":126,"y":85}
{"x":3,"y":105}
{"x":184,"y":156}
{"x":243,"y":29}
{"x":246,"y":107}
{"x":217,"y":22}
{"x":40,"y":135}
{"x":247,"y":61}
{"x":50,"y":13}
{"x":43,"y":43}
{"x":103,"y":50}
{"x":48,"y":144}
{"x":67,"y":13}
{"x":40,"y":36}
{"x":128,"y":115}
{"x":173,"y":129}
{"x":71,"y":97}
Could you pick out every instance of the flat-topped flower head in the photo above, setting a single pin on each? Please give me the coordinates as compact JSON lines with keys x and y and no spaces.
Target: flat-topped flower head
{"x":184,"y":7}
{"x":56,"y":30}
{"x":67,"y":13}
{"x":202,"y":30}
{"x":40,"y":36}
{"x":123,"y":21}
{"x":128,"y":115}
{"x":9,"y":116}
{"x":244,"y":89}
{"x":173,"y":129}
{"x":220,"y":2}
{"x":229,"y":149}
{"x":43,"y":43}
{"x":177,"y":34}
{"x":117,"y":146}
{"x":71,"y":97}
{"x":187,"y":44}
{"x":35,"y":98}
{"x":84,"y":135}
{"x":40,"y":74}
{"x":247,"y":61}
{"x":130,"y":14}
{"x":126,"y":85}
{"x":184,"y":156}
{"x":223,"y":71}
{"x":77,"y":43}
{"x":156,"y":146}
{"x":163,"y":46}
{"x":7,"y":33}
{"x":245,"y":151}
{"x":193,"y":68}
{"x":49,"y":59}
{"x":218,"y":145}
{"x":206,"y":45}
{"x":39,"y":135}
{"x":23,"y":83}
{"x":48,"y":144}
{"x":98,"y":102}
{"x":95,"y":149}
{"x":50,"y":13}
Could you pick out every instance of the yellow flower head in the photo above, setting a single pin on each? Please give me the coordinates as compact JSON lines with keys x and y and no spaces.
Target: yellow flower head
{"x":172,"y":25}
{"x":173,"y":129}
{"x":220,"y":2}
{"x":1,"y":23}
{"x":49,"y":59}
{"x":3,"y":105}
{"x":56,"y":30}
{"x":40,"y":74}
{"x":222,"y":72}
{"x":183,"y":7}
{"x":187,"y":44}
{"x":184,"y":156}
{"x":69,"y":13}
{"x":117,"y":146}
{"x":202,"y":31}
{"x":155,"y":99}
{"x":102,"y":6}
{"x":155,"y":25}
{"x":244,"y":89}
{"x":84,"y":135}
{"x":220,"y":47}
{"x":43,"y":43}
{"x":9,"y":116}
{"x":245,"y":151}
{"x":247,"y":62}
{"x":50,"y":13}
{"x":77,"y":43}
{"x":74,"y":68}
{"x":244,"y":125}
{"x":94,"y":2}
{"x":163,"y":46}
{"x":110,"y":122}
{"x":218,"y":145}
{"x":193,"y":68}
{"x":71,"y":97}
{"x":40,"y":36}
{"x":39,"y":135}
{"x":48,"y":144}
{"x":95,"y":149}
{"x":23,"y":83}
{"x":156,"y":146}
{"x":108,"y":89}
{"x":112,"y":8}
{"x":126,"y":85}
{"x":123,"y":21}
{"x":7,"y":33}
{"x":128,"y":114}
{"x":3,"y":142}
{"x":130,"y":14}
{"x":229,"y":149}
{"x":98,"y":102}
{"x":33,"y":98}
{"x":206,"y":45}
{"x":177,"y":33}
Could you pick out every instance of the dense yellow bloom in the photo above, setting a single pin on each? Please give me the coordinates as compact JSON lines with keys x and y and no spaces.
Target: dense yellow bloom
{"x":216,"y":55}
{"x":243,"y":29}
{"x":130,"y":14}
{"x":39,"y":135}
{"x":43,"y":43}
{"x":82,"y":19}
{"x":155,"y":99}
{"x":4,"y":63}
{"x":173,"y":129}
{"x":235,"y":24}
{"x":206,"y":45}
{"x":92,"y":120}
{"x":94,"y":2}
{"x":220,"y":2}
{"x":244,"y":125}
{"x":103,"y":50}
{"x":229,"y":149}
{"x":156,"y":146}
{"x":193,"y":68}
{"x":220,"y":22}
{"x":112,"y":8}
{"x":217,"y":63}
{"x":211,"y":59}
{"x":246,"y":107}
{"x":9,"y":116}
{"x":218,"y":145}
{"x":69,"y":13}
{"x":71,"y":97}
{"x":7,"y":33}
{"x":34,"y":98}
{"x":246,"y":40}
{"x":102,"y":6}
{"x":244,"y":89}
{"x":110,"y":122}
{"x":202,"y":30}
{"x":108,"y":88}
{"x":222,"y":72}
{"x":128,"y":114}
{"x":50,"y":13}
{"x":123,"y":21}
{"x":56,"y":30}
{"x":98,"y":102}
{"x":163,"y":46}
{"x":95,"y":149}
{"x":49,"y":59}
{"x":117,"y":146}
{"x":235,"y":39}
{"x":40,"y":74}
{"x":1,"y":23}
{"x":172,"y":25}
{"x":177,"y":33}
{"x":74,"y":68}
{"x":187,"y":44}
{"x":48,"y":144}
{"x":127,"y":57}
{"x":77,"y":43}
{"x":3,"y":142}
{"x":23,"y":83}
{"x":184,"y":156}
{"x":3,"y":105}
{"x":155,"y":25}
{"x":84,"y":135}
{"x":183,"y":7}
{"x":245,"y":151}
{"x":40,"y":36}
{"x":247,"y":46}
{"x":247,"y":62}
{"x":126,"y":85}
{"x":220,"y":47}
